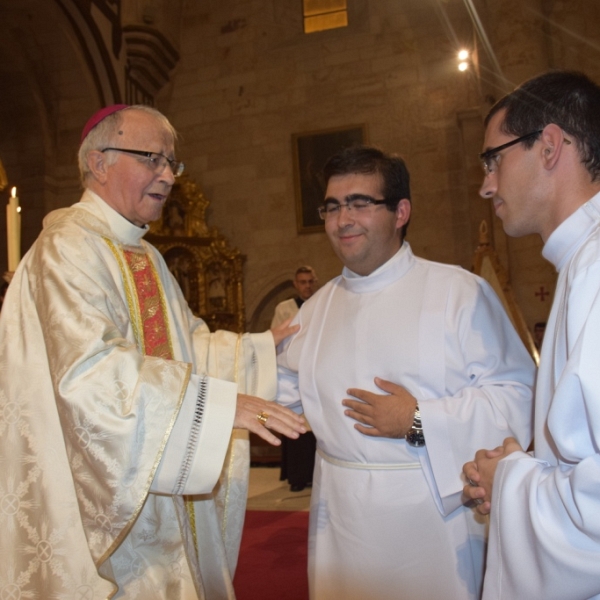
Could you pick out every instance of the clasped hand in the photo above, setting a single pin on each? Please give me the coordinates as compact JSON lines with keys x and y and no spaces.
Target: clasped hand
{"x":480,"y":472}
{"x":382,"y":415}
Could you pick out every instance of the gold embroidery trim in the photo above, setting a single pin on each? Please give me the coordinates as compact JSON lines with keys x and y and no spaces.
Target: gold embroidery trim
{"x":132,"y":301}
{"x":237,"y":358}
{"x":134,"y":312}
{"x":125,"y":531}
{"x":232,"y":444}
{"x":191,"y":511}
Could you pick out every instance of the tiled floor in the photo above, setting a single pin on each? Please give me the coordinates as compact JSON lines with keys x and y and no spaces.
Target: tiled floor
{"x":266,"y":492}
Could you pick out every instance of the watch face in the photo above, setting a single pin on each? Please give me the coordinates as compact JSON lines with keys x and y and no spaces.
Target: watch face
{"x":415,"y":437}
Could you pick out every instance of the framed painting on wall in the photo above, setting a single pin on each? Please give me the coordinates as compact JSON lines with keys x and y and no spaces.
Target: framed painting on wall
{"x":311,"y":151}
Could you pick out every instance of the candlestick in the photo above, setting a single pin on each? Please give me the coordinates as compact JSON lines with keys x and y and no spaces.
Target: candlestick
{"x":13,"y":230}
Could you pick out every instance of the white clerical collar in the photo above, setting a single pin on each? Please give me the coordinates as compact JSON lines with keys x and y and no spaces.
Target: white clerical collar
{"x":125,"y":231}
{"x":572,"y":232}
{"x":390,"y":271}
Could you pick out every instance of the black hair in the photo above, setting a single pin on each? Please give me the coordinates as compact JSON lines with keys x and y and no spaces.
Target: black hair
{"x":568,"y":99}
{"x":367,"y":160}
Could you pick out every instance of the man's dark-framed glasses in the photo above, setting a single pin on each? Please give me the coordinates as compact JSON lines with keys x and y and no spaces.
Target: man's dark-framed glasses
{"x":357,"y":203}
{"x":157,"y":162}
{"x":490,"y":158}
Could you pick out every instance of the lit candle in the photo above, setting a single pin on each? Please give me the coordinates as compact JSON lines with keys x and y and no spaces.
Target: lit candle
{"x":13,"y":227}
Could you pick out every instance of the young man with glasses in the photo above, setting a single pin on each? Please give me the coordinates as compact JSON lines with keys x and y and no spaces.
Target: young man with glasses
{"x":402,"y":367}
{"x":544,"y":139}
{"x":110,"y":411}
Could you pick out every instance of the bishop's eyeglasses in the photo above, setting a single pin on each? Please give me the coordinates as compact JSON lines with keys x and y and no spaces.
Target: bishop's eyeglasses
{"x":157,"y":162}
{"x":356,"y":203}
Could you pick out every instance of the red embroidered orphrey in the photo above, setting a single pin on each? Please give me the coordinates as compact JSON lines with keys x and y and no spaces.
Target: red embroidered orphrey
{"x":155,"y":330}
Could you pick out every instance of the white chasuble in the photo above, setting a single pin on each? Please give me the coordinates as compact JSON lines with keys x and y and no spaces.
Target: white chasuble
{"x":386,"y":519}
{"x":95,"y":376}
{"x":545,"y":520}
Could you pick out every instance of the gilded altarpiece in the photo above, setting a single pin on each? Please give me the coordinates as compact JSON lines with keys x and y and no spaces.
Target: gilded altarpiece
{"x":206,"y":267}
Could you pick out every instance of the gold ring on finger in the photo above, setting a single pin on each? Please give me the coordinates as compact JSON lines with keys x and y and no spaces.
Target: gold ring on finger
{"x":262,"y":416}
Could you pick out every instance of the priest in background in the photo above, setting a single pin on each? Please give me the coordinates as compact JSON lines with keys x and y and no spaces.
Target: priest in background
{"x":387,"y":520}
{"x":297,"y":456}
{"x":305,"y":283}
{"x":111,"y":413}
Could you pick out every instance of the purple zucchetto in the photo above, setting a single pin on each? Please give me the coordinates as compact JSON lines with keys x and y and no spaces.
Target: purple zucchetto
{"x":100,"y":116}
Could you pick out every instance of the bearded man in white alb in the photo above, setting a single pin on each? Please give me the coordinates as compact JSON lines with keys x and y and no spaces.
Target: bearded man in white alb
{"x":387,"y":520}
{"x":110,"y":412}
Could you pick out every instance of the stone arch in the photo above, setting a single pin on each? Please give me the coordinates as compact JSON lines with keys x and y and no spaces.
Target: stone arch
{"x":263,"y":313}
{"x":47,"y":94}
{"x":103,"y":60}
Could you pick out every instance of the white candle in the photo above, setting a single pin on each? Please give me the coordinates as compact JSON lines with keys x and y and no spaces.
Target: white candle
{"x":13,"y":227}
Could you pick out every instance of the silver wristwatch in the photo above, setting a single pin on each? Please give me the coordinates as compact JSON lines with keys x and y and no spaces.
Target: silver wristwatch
{"x":414,"y":436}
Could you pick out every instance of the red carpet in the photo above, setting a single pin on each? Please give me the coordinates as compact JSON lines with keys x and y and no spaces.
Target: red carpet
{"x":273,"y":555}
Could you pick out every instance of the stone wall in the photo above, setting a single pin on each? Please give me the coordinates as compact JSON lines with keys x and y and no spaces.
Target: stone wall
{"x":248,"y":78}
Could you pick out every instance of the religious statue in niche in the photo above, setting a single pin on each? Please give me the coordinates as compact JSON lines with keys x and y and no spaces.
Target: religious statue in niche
{"x":207,"y":269}
{"x":217,"y":294}
{"x":174,"y":219}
